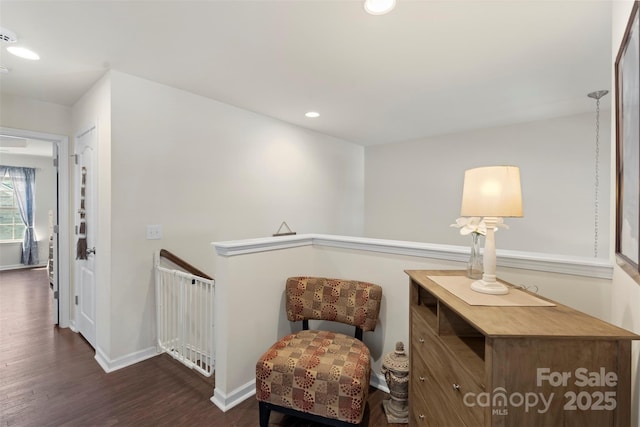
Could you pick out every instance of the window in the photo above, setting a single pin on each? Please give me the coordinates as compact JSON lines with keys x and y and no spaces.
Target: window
{"x":11,"y":225}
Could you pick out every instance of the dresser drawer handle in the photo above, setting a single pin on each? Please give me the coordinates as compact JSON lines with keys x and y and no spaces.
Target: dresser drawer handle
{"x":456,"y":386}
{"x":421,"y":379}
{"x":421,"y":416}
{"x":421,"y":340}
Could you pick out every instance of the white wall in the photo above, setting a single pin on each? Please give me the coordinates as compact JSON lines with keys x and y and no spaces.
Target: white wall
{"x":625,"y":292}
{"x":413,"y":189}
{"x":208,"y":171}
{"x":45,"y":201}
{"x":94,"y":109}
{"x":33,"y":115}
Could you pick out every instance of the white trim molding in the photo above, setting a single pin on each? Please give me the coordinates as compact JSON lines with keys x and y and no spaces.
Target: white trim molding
{"x":244,"y":392}
{"x":109,"y":365}
{"x":248,"y":246}
{"x":564,"y":264}
{"x":20,"y":267}
{"x":237,"y":396}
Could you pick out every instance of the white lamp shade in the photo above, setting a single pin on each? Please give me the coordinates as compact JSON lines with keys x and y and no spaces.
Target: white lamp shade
{"x":492,"y":191}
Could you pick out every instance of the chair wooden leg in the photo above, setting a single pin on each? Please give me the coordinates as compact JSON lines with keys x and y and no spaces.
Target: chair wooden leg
{"x":265,"y":412}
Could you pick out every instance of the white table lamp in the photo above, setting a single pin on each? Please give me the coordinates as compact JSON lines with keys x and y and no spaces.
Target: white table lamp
{"x":491,"y":192}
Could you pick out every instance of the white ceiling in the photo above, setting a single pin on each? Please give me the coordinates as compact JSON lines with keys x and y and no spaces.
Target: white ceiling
{"x":428,"y":67}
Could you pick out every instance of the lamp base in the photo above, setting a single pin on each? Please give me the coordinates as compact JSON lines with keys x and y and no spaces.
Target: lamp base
{"x":493,"y":288}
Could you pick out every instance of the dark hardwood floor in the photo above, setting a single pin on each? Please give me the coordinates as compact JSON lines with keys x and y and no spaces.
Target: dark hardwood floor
{"x":49,"y":377}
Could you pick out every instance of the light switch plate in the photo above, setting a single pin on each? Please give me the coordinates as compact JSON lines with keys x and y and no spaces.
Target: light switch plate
{"x":154,"y":232}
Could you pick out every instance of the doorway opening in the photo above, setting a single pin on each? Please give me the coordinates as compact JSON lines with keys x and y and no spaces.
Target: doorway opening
{"x":60,"y":278}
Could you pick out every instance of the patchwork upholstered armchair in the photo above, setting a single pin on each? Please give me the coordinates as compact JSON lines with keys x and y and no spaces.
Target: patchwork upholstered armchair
{"x":319,"y":375}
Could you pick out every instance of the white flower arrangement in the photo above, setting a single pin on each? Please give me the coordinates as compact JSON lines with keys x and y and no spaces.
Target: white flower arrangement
{"x":475,"y":224}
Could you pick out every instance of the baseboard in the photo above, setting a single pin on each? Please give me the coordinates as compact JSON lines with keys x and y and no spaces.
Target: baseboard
{"x":226,"y":402}
{"x":237,"y":396}
{"x":109,"y":365}
{"x":20,"y":267}
{"x":378,"y":381}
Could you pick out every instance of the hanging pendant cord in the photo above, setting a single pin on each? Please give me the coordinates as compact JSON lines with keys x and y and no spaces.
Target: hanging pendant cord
{"x":597,"y":95}
{"x":597,"y":181}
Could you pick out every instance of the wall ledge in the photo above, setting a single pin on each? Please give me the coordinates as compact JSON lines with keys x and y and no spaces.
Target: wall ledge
{"x":552,"y":263}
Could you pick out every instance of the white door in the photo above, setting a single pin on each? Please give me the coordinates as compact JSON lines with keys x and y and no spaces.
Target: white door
{"x":86,"y":224}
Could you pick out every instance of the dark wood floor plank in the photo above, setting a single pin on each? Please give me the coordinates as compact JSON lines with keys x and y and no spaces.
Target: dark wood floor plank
{"x":49,"y":377}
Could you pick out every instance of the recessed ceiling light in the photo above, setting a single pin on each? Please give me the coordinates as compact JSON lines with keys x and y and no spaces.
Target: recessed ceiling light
{"x":312,"y":114}
{"x":379,"y":7}
{"x":23,"y":52}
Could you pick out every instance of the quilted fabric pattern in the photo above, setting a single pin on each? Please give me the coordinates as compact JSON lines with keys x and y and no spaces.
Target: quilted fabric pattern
{"x":348,"y":301}
{"x":318,"y":372}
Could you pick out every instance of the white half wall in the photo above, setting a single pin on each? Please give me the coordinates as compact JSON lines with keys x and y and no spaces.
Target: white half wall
{"x":251,"y":275}
{"x":249,"y":314}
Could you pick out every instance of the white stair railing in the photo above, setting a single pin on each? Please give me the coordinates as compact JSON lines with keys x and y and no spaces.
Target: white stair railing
{"x":184,"y":308}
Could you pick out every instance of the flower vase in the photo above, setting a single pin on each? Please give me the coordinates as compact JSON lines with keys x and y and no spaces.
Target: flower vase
{"x":474,"y":266}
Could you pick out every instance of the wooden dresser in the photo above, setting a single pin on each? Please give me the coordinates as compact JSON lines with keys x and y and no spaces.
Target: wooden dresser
{"x":512,"y":366}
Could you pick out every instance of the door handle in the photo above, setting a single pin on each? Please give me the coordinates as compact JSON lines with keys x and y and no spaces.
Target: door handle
{"x":91,"y":251}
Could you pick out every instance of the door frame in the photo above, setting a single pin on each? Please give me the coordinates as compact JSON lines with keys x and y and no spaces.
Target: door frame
{"x":76,"y":206}
{"x":62,"y":263}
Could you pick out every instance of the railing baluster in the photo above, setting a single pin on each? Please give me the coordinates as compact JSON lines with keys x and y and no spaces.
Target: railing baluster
{"x":185,"y":317}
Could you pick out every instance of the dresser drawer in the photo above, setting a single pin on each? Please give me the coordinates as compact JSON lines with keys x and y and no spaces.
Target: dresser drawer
{"x":429,"y":404}
{"x":440,"y":382}
{"x":458,"y":351}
